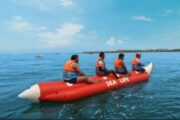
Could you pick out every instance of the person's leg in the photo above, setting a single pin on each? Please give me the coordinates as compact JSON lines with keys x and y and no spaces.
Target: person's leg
{"x":137,"y":68}
{"x":84,"y":79}
{"x":142,"y":70}
{"x":127,"y":74}
{"x":100,"y":73}
{"x":119,"y":74}
{"x":106,"y":73}
{"x":124,"y":72}
{"x":114,"y":73}
{"x":73,"y":80}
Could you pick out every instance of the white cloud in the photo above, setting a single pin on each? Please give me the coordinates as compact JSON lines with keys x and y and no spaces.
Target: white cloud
{"x":18,"y":24}
{"x":66,"y":3}
{"x":113,"y":41}
{"x":45,"y":5}
{"x":119,"y":41}
{"x":41,"y":28}
{"x":126,"y":38}
{"x":142,"y":18}
{"x":168,"y":12}
{"x":17,"y":18}
{"x":63,"y":36}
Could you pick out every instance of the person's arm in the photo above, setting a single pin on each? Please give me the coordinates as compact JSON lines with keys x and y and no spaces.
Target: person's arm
{"x":102,"y":69}
{"x":139,"y":63}
{"x":100,"y":66}
{"x":124,"y":66}
{"x":78,"y":70}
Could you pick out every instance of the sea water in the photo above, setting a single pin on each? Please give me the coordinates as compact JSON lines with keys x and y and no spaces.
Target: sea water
{"x":156,"y":98}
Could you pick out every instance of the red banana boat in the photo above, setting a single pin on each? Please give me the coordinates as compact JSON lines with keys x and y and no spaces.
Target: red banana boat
{"x":62,"y":91}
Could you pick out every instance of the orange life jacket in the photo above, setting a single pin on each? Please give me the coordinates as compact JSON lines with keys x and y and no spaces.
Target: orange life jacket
{"x":118,"y":63}
{"x":68,"y":66}
{"x":135,"y":61}
{"x":100,"y":65}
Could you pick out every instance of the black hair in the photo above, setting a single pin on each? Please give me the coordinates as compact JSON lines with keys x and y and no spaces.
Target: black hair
{"x":101,"y":54}
{"x":138,"y":55}
{"x":73,"y":57}
{"x":121,"y":55}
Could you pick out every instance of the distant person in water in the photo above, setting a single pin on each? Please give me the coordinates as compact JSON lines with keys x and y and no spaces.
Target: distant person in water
{"x":136,"y":64}
{"x":120,"y":67}
{"x":72,"y":73}
{"x":101,"y":69}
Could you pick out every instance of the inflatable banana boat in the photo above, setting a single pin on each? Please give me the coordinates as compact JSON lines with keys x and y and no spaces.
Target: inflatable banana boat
{"x":60,"y":91}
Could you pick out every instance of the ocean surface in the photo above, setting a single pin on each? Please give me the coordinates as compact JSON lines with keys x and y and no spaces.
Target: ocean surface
{"x":159,"y":97}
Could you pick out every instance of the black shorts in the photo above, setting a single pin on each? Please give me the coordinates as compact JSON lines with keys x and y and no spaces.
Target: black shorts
{"x":140,"y":70}
{"x":103,"y":73}
{"x":73,"y":80}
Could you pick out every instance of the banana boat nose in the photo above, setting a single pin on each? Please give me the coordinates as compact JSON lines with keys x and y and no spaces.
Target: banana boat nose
{"x":32,"y":94}
{"x":148,"y":68}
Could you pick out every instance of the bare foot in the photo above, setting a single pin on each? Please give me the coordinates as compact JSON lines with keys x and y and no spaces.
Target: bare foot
{"x":120,"y":76}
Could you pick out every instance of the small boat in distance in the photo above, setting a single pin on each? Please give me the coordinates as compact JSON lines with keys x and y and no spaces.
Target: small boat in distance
{"x":39,"y":56}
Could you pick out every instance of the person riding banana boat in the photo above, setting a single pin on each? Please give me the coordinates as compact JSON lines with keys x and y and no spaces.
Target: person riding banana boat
{"x":136,"y":64}
{"x":120,"y":67}
{"x":72,"y":73}
{"x":101,"y":69}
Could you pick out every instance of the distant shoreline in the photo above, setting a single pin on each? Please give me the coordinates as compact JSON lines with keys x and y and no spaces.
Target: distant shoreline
{"x":105,"y":51}
{"x":131,"y":51}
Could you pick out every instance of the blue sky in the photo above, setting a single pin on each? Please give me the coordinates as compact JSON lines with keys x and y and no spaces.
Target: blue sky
{"x":83,"y":25}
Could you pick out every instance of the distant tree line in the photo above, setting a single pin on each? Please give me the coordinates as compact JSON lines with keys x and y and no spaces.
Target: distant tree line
{"x":129,"y":51}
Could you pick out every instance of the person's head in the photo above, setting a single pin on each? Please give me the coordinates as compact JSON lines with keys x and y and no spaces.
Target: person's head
{"x":75,"y":58}
{"x":121,"y":56}
{"x":102,"y":55}
{"x":138,"y":55}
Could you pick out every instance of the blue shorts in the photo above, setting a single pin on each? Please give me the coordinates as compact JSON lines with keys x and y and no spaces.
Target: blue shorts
{"x":70,"y":77}
{"x":73,"y":80}
{"x":122,"y":71}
